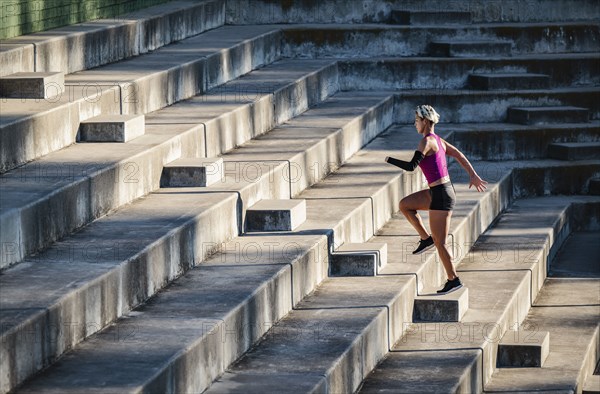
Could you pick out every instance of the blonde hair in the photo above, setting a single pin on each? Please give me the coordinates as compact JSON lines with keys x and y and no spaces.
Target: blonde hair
{"x":427,"y":112}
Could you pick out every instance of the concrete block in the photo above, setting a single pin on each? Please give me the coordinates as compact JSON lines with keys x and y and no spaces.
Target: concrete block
{"x":15,"y":58}
{"x":441,"y":308}
{"x":574,"y":150}
{"x":509,"y":81}
{"x":464,"y":48}
{"x":35,"y":85}
{"x":523,"y":349}
{"x":548,"y":114}
{"x":358,"y":259}
{"x":429,"y":17}
{"x":276,"y":215}
{"x":112,"y":128}
{"x":191,"y":172}
{"x":592,"y":385}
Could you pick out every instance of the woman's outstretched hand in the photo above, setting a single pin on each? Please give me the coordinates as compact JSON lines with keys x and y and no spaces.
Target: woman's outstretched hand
{"x":479,"y":183}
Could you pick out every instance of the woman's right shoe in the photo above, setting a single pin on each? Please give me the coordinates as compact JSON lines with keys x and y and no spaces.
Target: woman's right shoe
{"x":424,"y":245}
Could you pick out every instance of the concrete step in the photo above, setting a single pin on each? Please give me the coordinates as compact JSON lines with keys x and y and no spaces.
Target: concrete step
{"x":30,"y":129}
{"x":525,"y":347}
{"x":595,"y":186}
{"x":573,"y":259}
{"x":466,"y":351}
{"x":592,"y":384}
{"x":343,"y":327}
{"x":192,"y":172}
{"x":574,"y":150}
{"x":109,"y":176}
{"x":275,"y":215}
{"x":436,"y":18}
{"x":448,"y":103}
{"x":462,"y":48}
{"x":270,"y":361}
{"x":352,"y":259}
{"x":569,"y":361}
{"x":95,"y":43}
{"x":262,"y":278}
{"x":507,"y":141}
{"x":32,"y":85}
{"x":82,"y":284}
{"x":306,"y":11}
{"x":111,"y":128}
{"x":419,"y":72}
{"x":372,"y":40}
{"x":450,"y":307}
{"x":509,"y":81}
{"x":101,"y":272}
{"x":548,"y":114}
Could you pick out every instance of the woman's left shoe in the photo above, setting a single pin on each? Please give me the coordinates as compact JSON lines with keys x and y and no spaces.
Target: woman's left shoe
{"x":451,"y":285}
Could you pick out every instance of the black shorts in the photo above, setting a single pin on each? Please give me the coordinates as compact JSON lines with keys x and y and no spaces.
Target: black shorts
{"x":442,"y":197}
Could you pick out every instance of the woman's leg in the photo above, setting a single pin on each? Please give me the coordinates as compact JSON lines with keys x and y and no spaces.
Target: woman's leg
{"x":439,"y":222}
{"x":409,"y":206}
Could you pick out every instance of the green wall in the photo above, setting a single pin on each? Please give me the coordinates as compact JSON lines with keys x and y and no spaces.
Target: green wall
{"x":18,"y":17}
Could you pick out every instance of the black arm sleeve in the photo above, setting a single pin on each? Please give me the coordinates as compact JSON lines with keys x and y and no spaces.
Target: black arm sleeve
{"x":407,"y":165}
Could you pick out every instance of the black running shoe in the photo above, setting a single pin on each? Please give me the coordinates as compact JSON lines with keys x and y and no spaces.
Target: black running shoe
{"x":451,"y":285}
{"x":424,"y":245}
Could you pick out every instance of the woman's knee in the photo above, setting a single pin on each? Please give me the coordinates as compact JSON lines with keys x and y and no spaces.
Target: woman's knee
{"x":404,"y":206}
{"x":438,"y":241}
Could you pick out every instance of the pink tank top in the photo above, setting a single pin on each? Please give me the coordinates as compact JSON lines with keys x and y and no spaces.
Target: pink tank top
{"x":435,"y":167}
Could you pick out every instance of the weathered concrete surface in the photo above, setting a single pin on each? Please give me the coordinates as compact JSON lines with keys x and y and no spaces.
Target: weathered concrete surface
{"x":568,"y":309}
{"x":340,"y":11}
{"x":111,"y":128}
{"x":250,"y":106}
{"x":433,"y":307}
{"x":341,"y":213}
{"x":548,"y":114}
{"x":458,"y":107}
{"x":574,"y":150}
{"x":31,"y":128}
{"x":469,"y":48}
{"x":192,"y":172}
{"x":95,"y":43}
{"x":36,"y":85}
{"x":339,"y":333}
{"x":497,"y":40}
{"x":245,"y":289}
{"x":479,"y":328}
{"x":509,"y":81}
{"x":505,"y":141}
{"x":15,"y":58}
{"x":424,"y":72}
{"x":111,"y":176}
{"x":417,"y":378}
{"x":275,"y":215}
{"x":573,"y":259}
{"x":401,"y":17}
{"x":523,"y":348}
{"x":186,"y":68}
{"x":103,"y":271}
{"x":352,"y":259}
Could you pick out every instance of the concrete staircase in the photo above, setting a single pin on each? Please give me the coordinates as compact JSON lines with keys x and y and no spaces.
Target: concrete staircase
{"x":211,"y":204}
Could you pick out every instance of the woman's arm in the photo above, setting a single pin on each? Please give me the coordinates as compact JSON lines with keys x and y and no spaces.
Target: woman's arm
{"x":474,"y":179}
{"x":417,"y":157}
{"x":406,"y":165}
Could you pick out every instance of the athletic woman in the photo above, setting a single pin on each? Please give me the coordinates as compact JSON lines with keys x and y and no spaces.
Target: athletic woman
{"x":440,"y":198}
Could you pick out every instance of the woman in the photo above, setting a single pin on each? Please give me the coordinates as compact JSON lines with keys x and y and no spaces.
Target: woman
{"x":440,"y":198}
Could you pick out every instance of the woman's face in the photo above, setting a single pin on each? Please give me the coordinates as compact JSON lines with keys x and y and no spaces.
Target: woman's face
{"x":420,"y":124}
